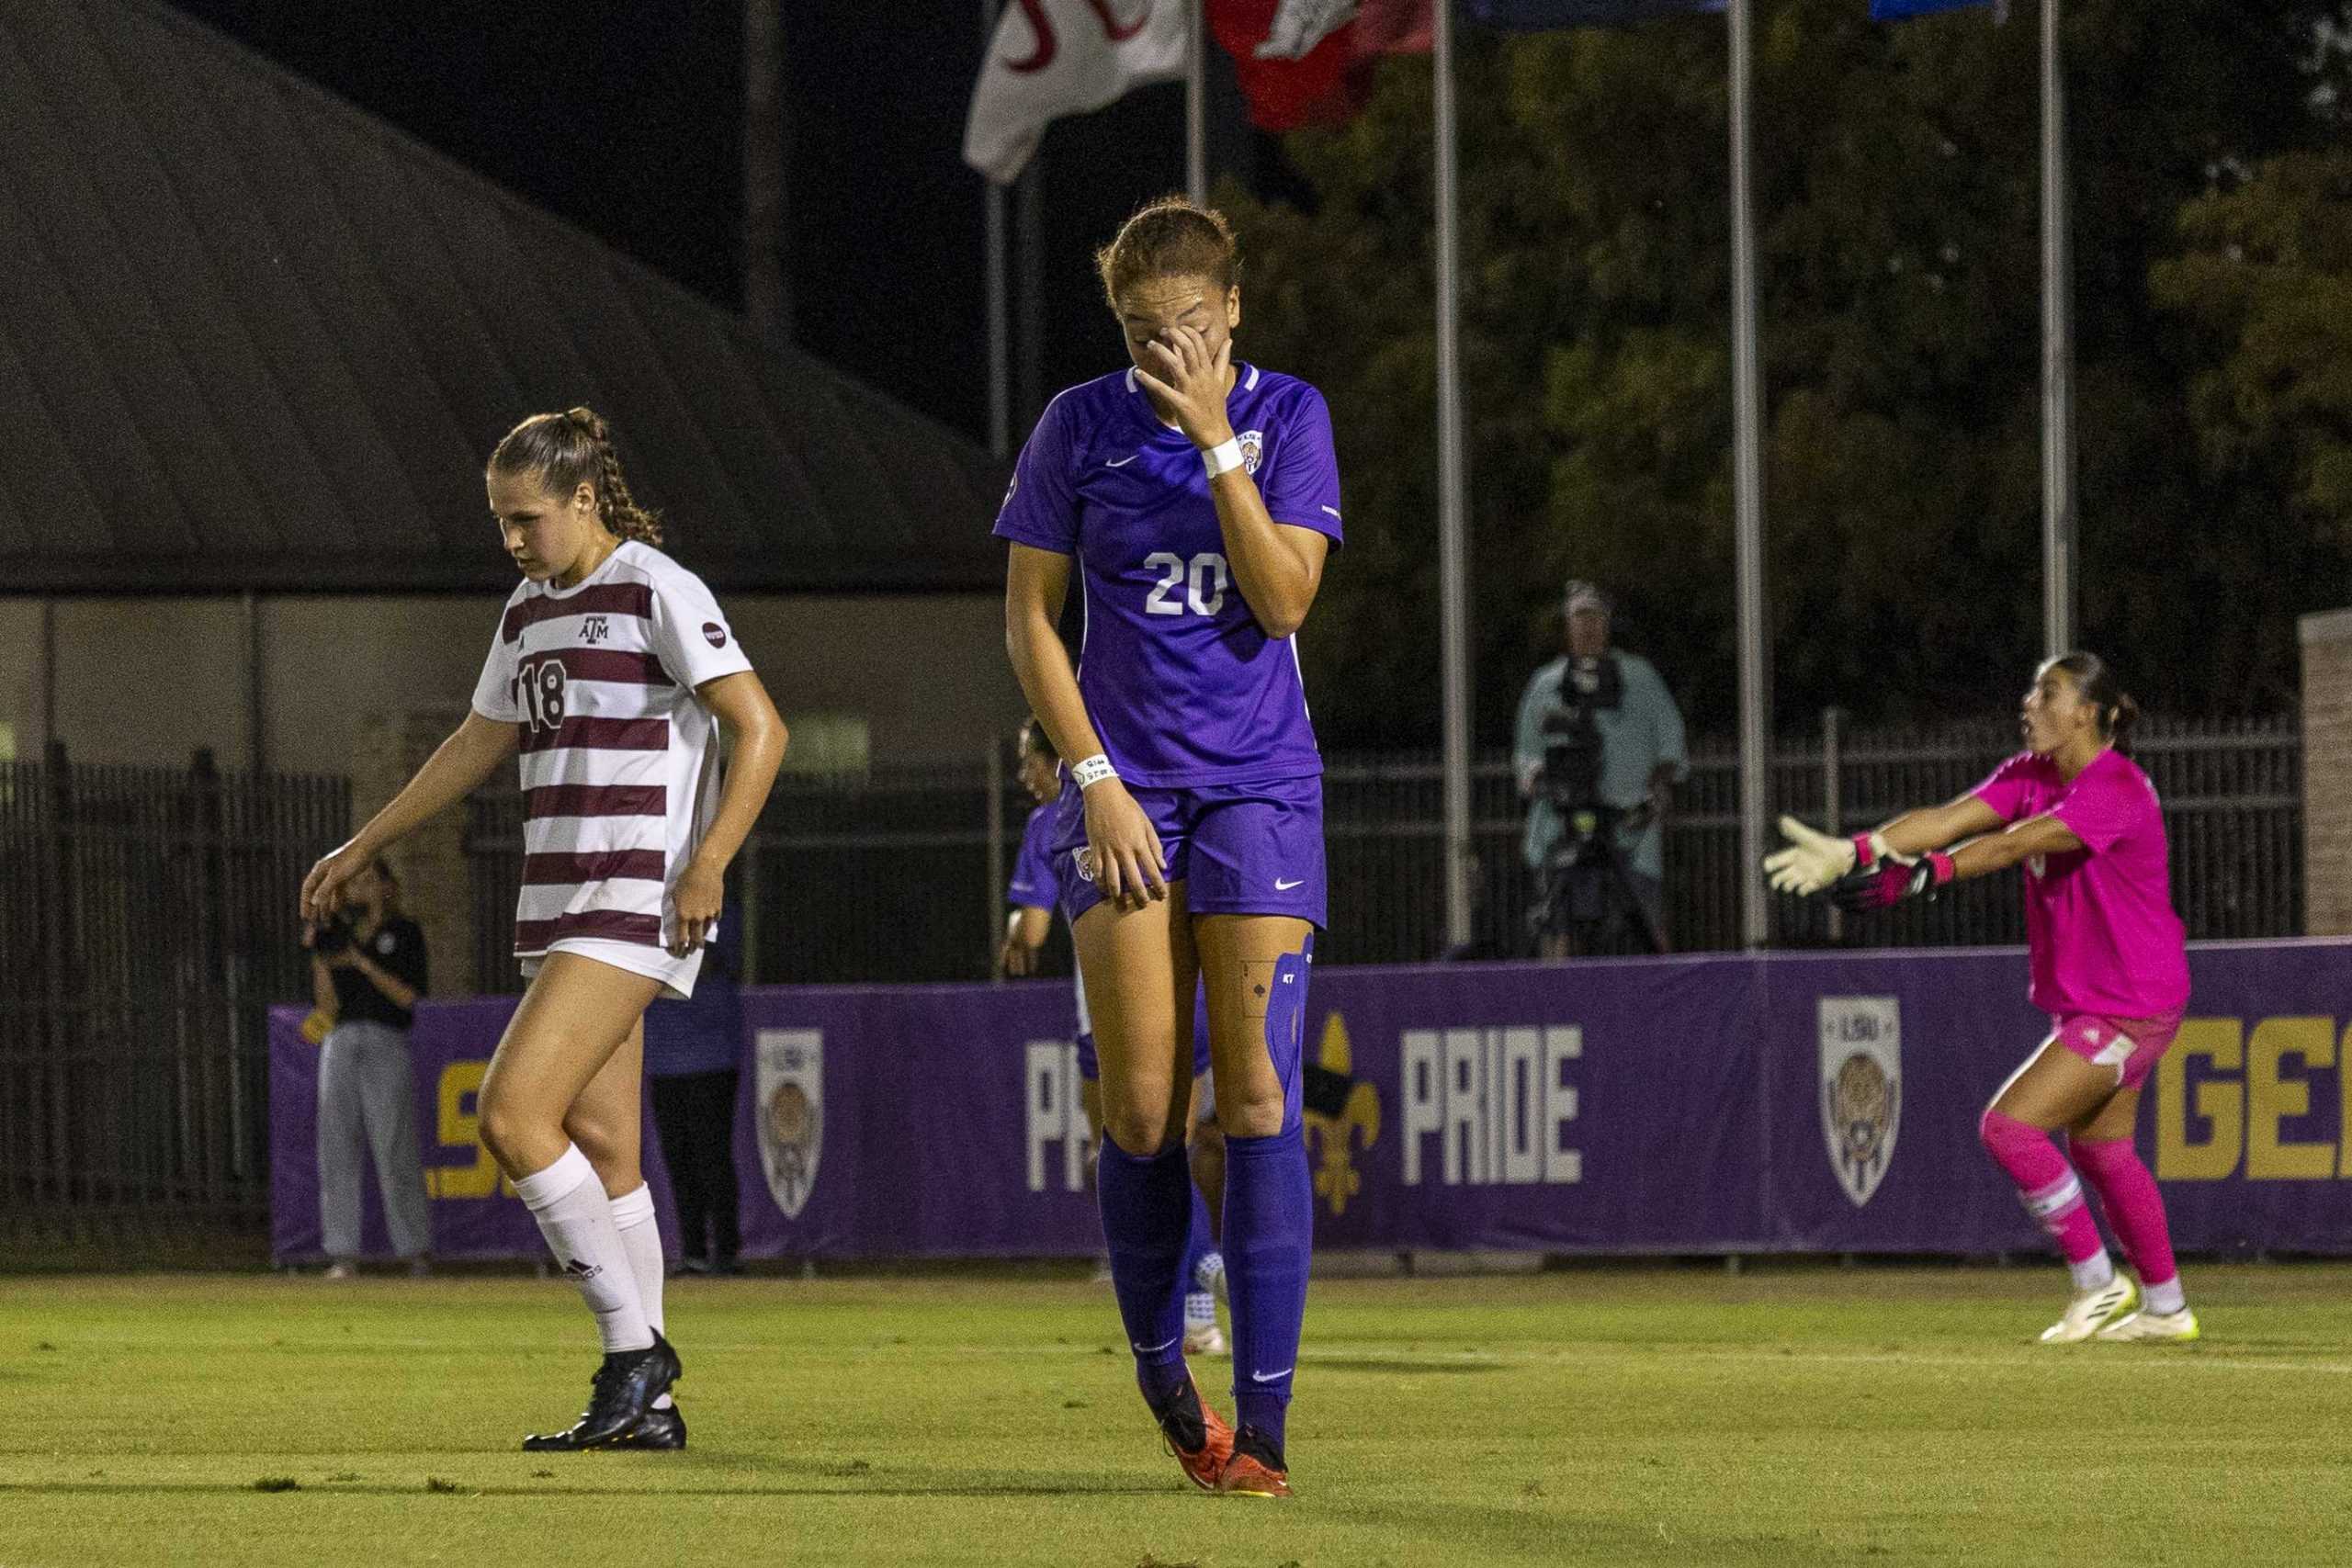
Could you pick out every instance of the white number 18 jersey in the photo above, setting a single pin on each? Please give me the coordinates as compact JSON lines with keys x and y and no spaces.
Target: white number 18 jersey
{"x":619,"y":759}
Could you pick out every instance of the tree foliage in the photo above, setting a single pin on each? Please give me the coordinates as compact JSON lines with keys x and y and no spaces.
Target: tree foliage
{"x":1897,"y":194}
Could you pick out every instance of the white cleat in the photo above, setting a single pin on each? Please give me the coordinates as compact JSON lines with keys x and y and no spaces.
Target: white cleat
{"x":2092,"y":1311}
{"x":2173,"y":1327}
{"x":1205,"y":1339}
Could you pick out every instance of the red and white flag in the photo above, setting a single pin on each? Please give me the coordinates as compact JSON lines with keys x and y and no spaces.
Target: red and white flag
{"x":1051,"y":57}
{"x":1307,"y":62}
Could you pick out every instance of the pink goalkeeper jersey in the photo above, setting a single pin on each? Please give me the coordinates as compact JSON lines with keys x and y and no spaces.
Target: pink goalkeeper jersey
{"x":2098,"y":920}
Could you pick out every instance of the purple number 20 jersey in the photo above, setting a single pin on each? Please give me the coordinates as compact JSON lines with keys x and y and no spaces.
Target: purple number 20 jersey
{"x":1182,"y":684}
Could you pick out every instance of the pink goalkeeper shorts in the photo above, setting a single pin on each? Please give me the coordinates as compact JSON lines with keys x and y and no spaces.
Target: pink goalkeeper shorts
{"x":2129,"y":1045}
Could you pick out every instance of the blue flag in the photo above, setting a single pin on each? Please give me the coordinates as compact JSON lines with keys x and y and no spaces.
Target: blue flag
{"x":1540,"y":16}
{"x":1903,"y":10}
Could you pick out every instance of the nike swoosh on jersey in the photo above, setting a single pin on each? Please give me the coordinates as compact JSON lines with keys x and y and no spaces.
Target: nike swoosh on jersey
{"x":1124,"y":461}
{"x":1281,"y":886}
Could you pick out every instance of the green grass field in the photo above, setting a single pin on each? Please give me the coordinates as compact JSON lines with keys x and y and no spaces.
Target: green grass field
{"x":1661,"y":1415}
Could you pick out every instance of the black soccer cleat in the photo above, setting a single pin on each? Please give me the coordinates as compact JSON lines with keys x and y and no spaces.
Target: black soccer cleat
{"x":660,"y":1430}
{"x":620,"y":1394}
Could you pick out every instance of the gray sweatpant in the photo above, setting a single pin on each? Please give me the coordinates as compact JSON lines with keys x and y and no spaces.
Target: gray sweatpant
{"x":367,"y":1097}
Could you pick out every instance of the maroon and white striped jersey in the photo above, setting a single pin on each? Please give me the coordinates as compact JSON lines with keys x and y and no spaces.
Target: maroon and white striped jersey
{"x":620,"y":761}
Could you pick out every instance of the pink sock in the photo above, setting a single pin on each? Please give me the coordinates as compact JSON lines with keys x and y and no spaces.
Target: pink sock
{"x":2134,"y":1207}
{"x":2052,"y":1194}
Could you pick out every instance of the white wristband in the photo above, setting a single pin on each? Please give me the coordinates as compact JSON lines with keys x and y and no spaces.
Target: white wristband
{"x":1223,"y":457}
{"x":1093,"y":770}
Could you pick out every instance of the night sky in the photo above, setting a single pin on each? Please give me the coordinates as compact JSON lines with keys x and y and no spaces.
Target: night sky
{"x":624,"y":115}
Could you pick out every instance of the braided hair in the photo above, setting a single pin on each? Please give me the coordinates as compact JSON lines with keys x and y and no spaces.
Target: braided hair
{"x":571,"y":448}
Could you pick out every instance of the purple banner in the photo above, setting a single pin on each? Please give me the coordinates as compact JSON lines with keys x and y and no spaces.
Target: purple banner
{"x":1782,"y":1102}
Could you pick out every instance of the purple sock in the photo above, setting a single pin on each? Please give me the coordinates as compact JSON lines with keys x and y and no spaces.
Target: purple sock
{"x":1146,"y":1219}
{"x":1269,"y":1237}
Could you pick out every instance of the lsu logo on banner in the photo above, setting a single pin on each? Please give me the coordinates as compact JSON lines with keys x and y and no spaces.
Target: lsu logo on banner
{"x":1862,"y":1089}
{"x":791,"y":1089}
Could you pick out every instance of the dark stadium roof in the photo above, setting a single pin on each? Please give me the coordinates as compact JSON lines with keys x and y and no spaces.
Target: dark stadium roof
{"x":251,"y":337}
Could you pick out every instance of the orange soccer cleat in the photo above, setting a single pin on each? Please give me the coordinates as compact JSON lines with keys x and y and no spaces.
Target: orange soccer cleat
{"x":1255,"y":1470}
{"x":1197,"y":1434}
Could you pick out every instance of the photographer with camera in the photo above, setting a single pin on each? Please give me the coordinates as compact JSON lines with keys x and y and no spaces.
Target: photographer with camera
{"x":1598,"y":750}
{"x":367,"y":970}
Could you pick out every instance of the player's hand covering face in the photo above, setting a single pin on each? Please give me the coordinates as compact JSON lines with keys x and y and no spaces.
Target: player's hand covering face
{"x":1179,"y":335}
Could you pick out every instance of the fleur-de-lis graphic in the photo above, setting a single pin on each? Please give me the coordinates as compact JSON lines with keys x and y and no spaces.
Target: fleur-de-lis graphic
{"x":1336,"y":1179}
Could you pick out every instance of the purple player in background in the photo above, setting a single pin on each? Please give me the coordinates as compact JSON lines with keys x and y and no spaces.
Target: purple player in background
{"x":1033,"y":893}
{"x":1195,"y":499}
{"x":2109,"y":962}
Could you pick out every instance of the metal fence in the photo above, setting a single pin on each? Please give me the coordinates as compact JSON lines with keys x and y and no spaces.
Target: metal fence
{"x":147,"y":922}
{"x":898,"y":875}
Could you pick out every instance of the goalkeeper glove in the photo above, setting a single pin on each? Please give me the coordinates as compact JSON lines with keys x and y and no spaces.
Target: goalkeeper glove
{"x":1812,"y":860}
{"x":1888,"y":883}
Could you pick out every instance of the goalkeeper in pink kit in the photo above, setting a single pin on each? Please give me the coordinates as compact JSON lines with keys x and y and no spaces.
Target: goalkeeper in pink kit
{"x":2109,"y":966}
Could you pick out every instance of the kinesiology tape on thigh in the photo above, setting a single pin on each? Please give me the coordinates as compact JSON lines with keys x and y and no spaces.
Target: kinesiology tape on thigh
{"x":1286,"y":1027}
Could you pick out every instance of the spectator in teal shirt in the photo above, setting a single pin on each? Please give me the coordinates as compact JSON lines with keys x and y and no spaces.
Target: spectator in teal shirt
{"x":1642,"y":755}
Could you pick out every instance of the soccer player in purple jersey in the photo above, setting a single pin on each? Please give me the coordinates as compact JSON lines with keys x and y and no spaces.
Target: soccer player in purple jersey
{"x":2108,"y":964}
{"x":1195,"y":498}
{"x":1033,"y":893}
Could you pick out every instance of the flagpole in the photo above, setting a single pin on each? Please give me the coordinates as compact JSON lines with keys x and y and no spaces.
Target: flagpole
{"x":1452,"y":555}
{"x":1196,"y":92}
{"x":1029,"y":248}
{"x":998,"y":294}
{"x":2057,"y":355}
{"x":1748,"y":491}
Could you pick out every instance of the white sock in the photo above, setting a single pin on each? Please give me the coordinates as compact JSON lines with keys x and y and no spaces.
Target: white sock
{"x":2163,"y":1300}
{"x":2093,"y":1272}
{"x":575,"y":1215}
{"x":1200,"y":1308}
{"x":641,"y":1239}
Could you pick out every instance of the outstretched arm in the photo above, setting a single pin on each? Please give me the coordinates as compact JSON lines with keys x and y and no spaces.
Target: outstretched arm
{"x":457,"y":768}
{"x":1891,"y":881}
{"x":1940,"y":827}
{"x":1814,"y":860}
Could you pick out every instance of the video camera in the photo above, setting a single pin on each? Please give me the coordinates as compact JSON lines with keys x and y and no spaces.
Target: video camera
{"x":1584,"y":901}
{"x":1571,"y":777}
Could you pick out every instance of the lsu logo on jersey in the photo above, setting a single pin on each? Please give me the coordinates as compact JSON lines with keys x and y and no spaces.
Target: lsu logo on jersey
{"x":1253,"y":450}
